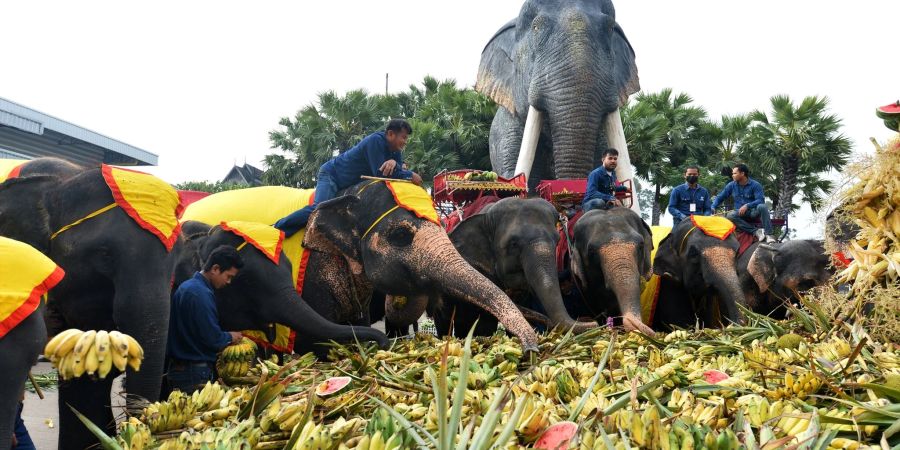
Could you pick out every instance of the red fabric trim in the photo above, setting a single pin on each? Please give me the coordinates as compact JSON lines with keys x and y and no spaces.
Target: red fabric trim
{"x":301,"y":277}
{"x":31,"y":304}
{"x":725,"y":236}
{"x":274,"y":258}
{"x":562,"y":247}
{"x":841,"y":261}
{"x":397,"y":201}
{"x":15,"y":172}
{"x":169,"y":241}
{"x":745,"y":240}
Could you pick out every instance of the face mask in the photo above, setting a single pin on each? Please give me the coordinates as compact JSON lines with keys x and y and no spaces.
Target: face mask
{"x":692,"y":179}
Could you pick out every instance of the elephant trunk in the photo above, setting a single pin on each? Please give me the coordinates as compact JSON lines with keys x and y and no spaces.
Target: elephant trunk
{"x":618,"y":260}
{"x":539,"y":265}
{"x":719,"y":270}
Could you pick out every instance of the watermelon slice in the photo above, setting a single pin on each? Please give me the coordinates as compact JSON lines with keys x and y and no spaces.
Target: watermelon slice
{"x":715,"y":376}
{"x":332,"y":385}
{"x":557,"y":437}
{"x":890,"y":114}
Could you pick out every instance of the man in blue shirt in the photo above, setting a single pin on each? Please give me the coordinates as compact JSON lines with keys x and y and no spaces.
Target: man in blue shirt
{"x":689,"y":198}
{"x":195,"y":337}
{"x":601,"y":184}
{"x":377,"y":155}
{"x":749,"y":203}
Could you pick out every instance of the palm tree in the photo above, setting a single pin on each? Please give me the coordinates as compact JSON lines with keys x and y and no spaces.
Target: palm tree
{"x":794,"y":146}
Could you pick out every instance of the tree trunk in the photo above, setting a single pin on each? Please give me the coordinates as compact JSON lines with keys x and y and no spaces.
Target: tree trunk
{"x":787,"y":186}
{"x":654,"y":215}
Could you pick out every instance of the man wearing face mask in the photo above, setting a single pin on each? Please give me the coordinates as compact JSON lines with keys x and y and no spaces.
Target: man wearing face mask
{"x":689,"y":198}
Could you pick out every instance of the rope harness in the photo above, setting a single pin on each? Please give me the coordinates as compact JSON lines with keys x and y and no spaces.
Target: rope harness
{"x":83,"y":219}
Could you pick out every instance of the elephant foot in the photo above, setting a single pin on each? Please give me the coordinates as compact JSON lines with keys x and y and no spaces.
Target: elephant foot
{"x":634,"y":323}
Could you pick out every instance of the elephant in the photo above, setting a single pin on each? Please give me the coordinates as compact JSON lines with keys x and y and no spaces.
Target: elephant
{"x":610,"y":254}
{"x":559,"y":72}
{"x":117,"y":277}
{"x":772,"y":274}
{"x":362,"y":241}
{"x":262,"y":293}
{"x":698,"y":276}
{"x":512,"y":242}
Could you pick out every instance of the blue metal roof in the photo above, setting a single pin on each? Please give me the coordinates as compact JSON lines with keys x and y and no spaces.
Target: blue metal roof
{"x":26,"y":119}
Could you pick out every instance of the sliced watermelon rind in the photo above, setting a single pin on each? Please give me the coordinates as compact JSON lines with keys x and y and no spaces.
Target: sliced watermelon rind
{"x":332,"y":386}
{"x":557,"y":436}
{"x":888,"y":111}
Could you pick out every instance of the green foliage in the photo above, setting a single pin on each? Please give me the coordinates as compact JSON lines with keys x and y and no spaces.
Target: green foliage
{"x":450,"y":130}
{"x":206,"y":186}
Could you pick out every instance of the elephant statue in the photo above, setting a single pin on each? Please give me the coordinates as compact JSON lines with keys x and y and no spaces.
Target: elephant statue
{"x":698,"y":276}
{"x":22,"y":330}
{"x":559,"y":72}
{"x":363,"y":241}
{"x":262,"y":293}
{"x":772,"y":274}
{"x":118,"y":274}
{"x":512,"y":242}
{"x":610,"y":254}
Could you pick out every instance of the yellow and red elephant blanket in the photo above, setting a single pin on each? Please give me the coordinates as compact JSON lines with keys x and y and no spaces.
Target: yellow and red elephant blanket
{"x":152,"y":203}
{"x":25,"y":275}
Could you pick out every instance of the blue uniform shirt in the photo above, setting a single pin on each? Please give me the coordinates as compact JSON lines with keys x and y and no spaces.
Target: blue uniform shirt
{"x":750,"y":194}
{"x":600,"y":184}
{"x":681,"y":198}
{"x":194,"y":331}
{"x":365,"y":158}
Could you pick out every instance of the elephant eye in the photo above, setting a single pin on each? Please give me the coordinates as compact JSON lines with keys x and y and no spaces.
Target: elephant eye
{"x":400,"y":236}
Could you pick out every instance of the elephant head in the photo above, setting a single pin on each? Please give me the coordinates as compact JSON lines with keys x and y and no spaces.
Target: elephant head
{"x":513,"y":242}
{"x":610,"y":254}
{"x":704,"y":268}
{"x":781,"y":271}
{"x":263,"y":291}
{"x":400,"y":253}
{"x":567,"y":62}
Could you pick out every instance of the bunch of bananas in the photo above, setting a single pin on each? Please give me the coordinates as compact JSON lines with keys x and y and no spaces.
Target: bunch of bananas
{"x":171,"y":414}
{"x":235,"y":360}
{"x":74,"y":352}
{"x":134,"y":435}
{"x":242,"y":435}
{"x":209,"y":397}
{"x":875,"y":208}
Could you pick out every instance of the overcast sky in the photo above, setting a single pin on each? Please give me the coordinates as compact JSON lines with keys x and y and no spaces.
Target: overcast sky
{"x":201,"y":83}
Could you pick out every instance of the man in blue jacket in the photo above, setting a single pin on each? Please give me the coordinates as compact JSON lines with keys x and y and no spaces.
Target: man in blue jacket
{"x":601,"y":184}
{"x":195,"y":337}
{"x":749,"y":203}
{"x":377,"y":155}
{"x":689,"y":198}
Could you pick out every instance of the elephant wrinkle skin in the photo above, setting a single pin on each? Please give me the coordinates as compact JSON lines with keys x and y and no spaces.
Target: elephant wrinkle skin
{"x":772,"y":274}
{"x":571,"y":62}
{"x":719,"y":271}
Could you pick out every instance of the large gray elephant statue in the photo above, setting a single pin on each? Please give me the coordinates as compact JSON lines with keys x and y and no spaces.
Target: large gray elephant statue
{"x":772,"y":274}
{"x":117,"y":277}
{"x":698,"y":279}
{"x":569,"y":66}
{"x":610,"y":253}
{"x":513,"y":243}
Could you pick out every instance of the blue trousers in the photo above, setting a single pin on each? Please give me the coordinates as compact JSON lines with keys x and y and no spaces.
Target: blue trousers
{"x":597,"y":203}
{"x":22,"y":436}
{"x":761,"y":211}
{"x":189,"y":377}
{"x":326,"y":189}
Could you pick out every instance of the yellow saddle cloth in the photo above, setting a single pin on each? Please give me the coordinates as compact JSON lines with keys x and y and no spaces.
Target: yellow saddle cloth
{"x":715,"y":226}
{"x":9,"y":168}
{"x":265,"y":238}
{"x":25,"y":275}
{"x":149,"y":201}
{"x":413,"y":199}
{"x":650,"y":289}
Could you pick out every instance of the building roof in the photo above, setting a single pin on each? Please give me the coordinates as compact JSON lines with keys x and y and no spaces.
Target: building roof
{"x":245,"y":174}
{"x":34,"y":134}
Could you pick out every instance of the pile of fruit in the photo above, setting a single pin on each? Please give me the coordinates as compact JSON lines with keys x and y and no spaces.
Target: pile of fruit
{"x":235,"y":360}
{"x":875,"y":207}
{"x":475,"y":175}
{"x":812,"y":382}
{"x":75,"y":353}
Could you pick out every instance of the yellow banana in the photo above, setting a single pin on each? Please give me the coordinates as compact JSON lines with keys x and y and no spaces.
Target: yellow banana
{"x":83,"y":345}
{"x":118,"y":342}
{"x":101,"y":341}
{"x":135,"y":350}
{"x":90,"y":360}
{"x":62,"y":343}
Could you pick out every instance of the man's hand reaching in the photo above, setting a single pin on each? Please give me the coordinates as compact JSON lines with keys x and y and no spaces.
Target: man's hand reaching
{"x":388,"y":167}
{"x":743,"y":210}
{"x":416,"y":179}
{"x":235,"y":336}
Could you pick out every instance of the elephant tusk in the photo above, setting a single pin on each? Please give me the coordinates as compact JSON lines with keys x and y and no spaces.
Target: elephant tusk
{"x":615,"y":136}
{"x":530,"y":136}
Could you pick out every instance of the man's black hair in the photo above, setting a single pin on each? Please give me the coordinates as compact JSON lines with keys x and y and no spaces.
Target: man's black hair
{"x":742,"y":168}
{"x":396,"y":125}
{"x":610,"y":151}
{"x":226,"y":257}
{"x":697,"y":168}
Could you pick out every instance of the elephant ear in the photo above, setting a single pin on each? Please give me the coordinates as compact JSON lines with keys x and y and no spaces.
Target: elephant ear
{"x":472,"y":241}
{"x":626,"y":70}
{"x":762,"y":266}
{"x":23,"y":211}
{"x":332,"y":228}
{"x":496,"y":71}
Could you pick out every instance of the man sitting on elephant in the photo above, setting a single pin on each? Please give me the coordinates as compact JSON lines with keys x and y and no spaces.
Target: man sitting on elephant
{"x":601,"y":184}
{"x":749,"y":203}
{"x":377,"y":155}
{"x":195,"y":337}
{"x":689,"y":198}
